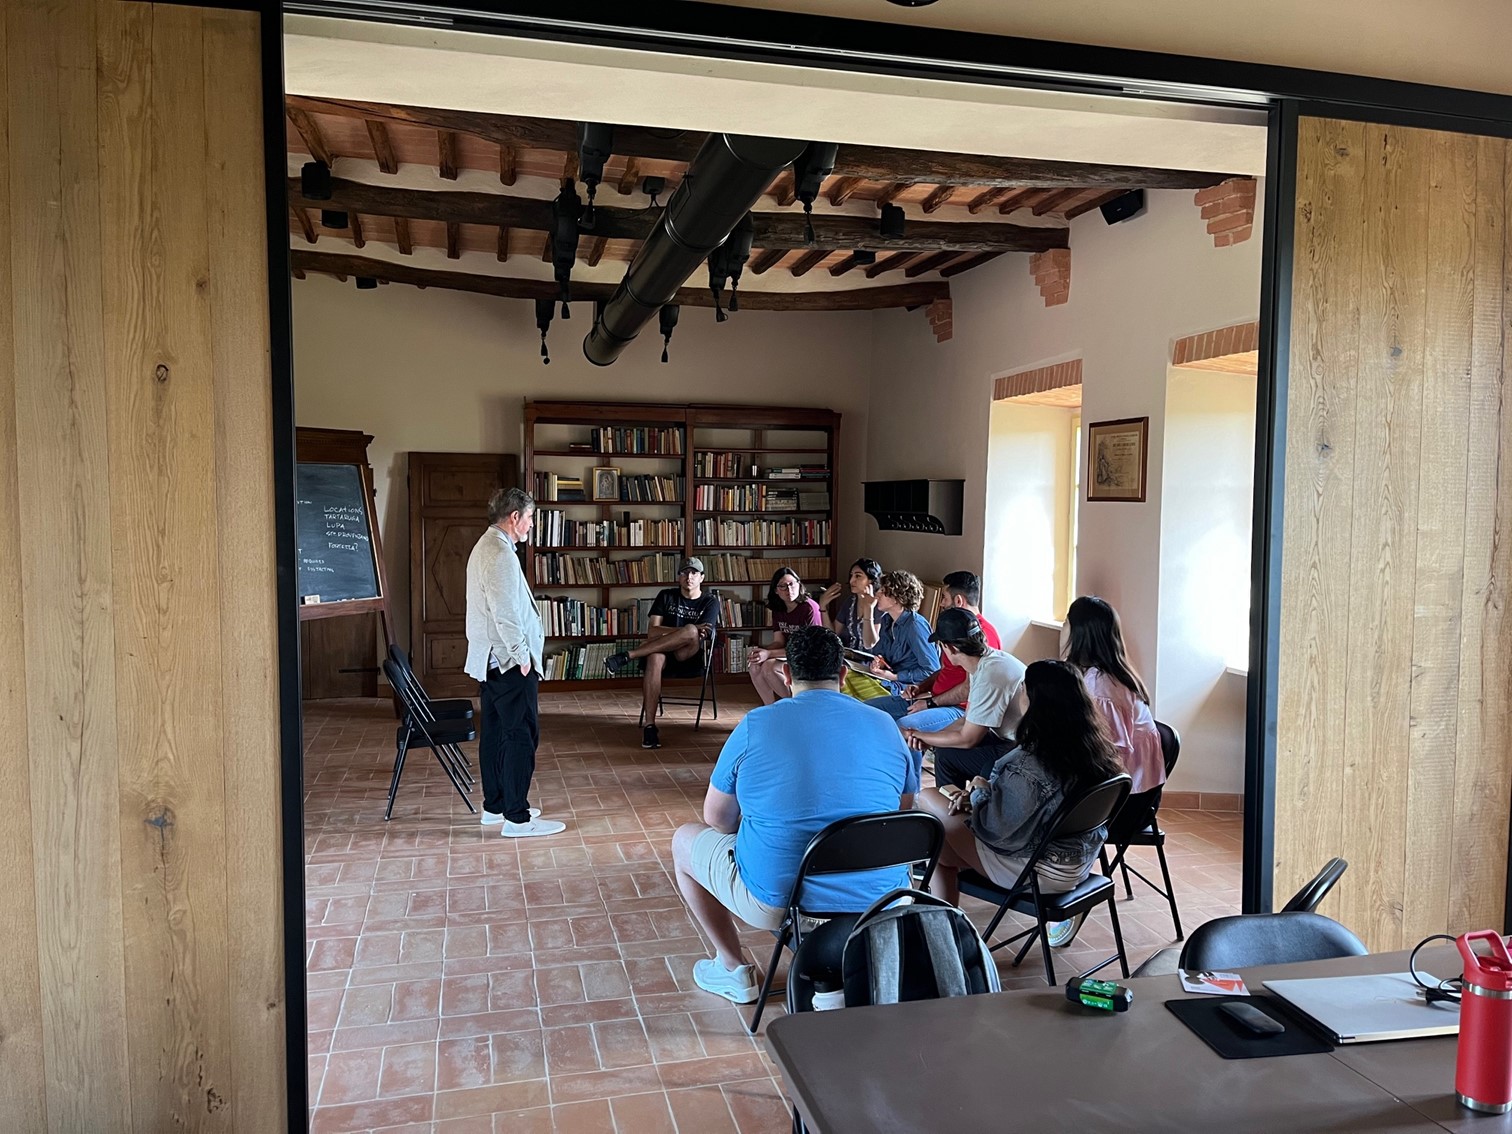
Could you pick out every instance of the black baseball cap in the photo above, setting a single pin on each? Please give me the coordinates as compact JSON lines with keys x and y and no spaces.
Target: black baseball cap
{"x":956,"y":625}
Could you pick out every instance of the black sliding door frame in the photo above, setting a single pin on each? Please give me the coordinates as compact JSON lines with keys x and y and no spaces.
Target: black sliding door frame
{"x":719,"y":32}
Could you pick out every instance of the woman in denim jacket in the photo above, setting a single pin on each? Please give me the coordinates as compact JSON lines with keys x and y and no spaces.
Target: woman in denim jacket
{"x":994,"y":826}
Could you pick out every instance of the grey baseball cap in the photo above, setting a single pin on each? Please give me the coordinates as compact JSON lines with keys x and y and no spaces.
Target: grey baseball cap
{"x":692,"y":563}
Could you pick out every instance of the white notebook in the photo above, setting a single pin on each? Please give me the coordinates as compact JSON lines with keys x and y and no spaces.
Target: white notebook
{"x":1367,"y":1009}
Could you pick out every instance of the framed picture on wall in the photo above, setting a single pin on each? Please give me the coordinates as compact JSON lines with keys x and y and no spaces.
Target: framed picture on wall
{"x":1117,"y":453}
{"x":606,"y":484}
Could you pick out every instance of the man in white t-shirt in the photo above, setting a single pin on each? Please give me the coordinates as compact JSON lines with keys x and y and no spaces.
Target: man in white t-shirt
{"x":971,"y":745}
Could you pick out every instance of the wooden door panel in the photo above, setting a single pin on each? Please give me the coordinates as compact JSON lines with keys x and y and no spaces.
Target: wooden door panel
{"x":448,"y":510}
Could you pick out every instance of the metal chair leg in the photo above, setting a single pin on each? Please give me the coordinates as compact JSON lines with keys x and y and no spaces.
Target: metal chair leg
{"x":1128,"y":885}
{"x":1044,"y":936}
{"x":1165,"y":872}
{"x":771,"y":972}
{"x":398,"y":771}
{"x":1123,"y":956}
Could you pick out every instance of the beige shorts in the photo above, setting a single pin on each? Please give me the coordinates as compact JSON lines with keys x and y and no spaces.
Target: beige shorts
{"x":713,"y":867}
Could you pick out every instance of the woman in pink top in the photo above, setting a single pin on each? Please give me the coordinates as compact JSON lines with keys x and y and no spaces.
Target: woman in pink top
{"x":1092,"y":640}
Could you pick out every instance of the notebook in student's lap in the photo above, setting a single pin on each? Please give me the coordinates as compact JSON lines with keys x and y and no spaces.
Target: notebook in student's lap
{"x":1367,"y":1009}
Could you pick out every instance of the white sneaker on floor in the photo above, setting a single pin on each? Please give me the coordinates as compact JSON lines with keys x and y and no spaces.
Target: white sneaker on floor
{"x":738,"y":987}
{"x":535,"y":827}
{"x":498,"y":816}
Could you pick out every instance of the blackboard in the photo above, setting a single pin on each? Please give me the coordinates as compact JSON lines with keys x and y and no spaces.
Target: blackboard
{"x":335,"y":530}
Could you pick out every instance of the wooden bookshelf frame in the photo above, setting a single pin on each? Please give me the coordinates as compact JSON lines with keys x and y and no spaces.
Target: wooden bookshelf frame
{"x":759,"y":422}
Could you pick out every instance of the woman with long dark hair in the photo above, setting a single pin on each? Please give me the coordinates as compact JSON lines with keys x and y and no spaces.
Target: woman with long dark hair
{"x":790,"y":608}
{"x":994,"y":825}
{"x":1092,"y":640}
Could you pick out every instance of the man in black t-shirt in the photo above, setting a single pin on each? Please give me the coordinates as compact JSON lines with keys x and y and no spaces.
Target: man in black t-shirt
{"x":681,"y":619}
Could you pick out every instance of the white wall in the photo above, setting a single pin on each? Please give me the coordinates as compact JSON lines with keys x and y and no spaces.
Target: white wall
{"x":447,"y":371}
{"x":1029,"y":497}
{"x":1204,"y":571}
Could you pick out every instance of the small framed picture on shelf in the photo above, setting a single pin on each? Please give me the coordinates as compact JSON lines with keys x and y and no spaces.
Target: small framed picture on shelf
{"x":1116,"y":458}
{"x":606,"y":484}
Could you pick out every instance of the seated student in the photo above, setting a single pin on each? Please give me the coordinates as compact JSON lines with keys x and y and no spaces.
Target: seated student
{"x":904,"y":653}
{"x":995,"y":825}
{"x":681,"y":618}
{"x":790,"y":608}
{"x":855,"y":617}
{"x":940,"y":699}
{"x":1092,"y":640}
{"x":970,"y":746}
{"x":787,"y":771}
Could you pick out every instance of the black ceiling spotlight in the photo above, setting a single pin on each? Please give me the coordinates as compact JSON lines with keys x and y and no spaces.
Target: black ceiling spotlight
{"x":653,"y":187}
{"x":595,"y":145}
{"x":810,"y":168}
{"x":333,"y":218}
{"x":544,"y":310}
{"x":864,"y":256}
{"x":367,"y":283}
{"x":891,"y":223}
{"x":667,"y":317}
{"x":912,"y":3}
{"x":565,"y":210}
{"x":315,"y":181}
{"x":1131,"y":204}
{"x":727,"y":262}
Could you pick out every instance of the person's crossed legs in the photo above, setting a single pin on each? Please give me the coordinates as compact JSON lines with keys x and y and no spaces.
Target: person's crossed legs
{"x":703,"y":860}
{"x":678,"y":642}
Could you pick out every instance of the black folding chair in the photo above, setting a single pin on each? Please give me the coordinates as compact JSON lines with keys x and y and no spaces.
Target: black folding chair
{"x":1138,"y":825}
{"x":452,"y":715}
{"x":862,"y":842}
{"x":1078,"y":815}
{"x":1268,"y":939}
{"x":1306,"y":899}
{"x":706,"y":687}
{"x":415,"y":731}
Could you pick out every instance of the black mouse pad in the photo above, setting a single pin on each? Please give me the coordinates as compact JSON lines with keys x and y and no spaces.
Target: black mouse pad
{"x":1230,"y":1040}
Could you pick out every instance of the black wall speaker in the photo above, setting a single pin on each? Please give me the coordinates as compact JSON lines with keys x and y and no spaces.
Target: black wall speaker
{"x":1122,"y":208}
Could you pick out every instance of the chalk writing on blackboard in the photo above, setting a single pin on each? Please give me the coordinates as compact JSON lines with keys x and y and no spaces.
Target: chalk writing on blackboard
{"x":334,"y":533}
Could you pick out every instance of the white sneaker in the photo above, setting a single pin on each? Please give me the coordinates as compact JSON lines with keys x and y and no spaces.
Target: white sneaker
{"x":533,"y":828}
{"x":738,"y":986}
{"x":498,"y":816}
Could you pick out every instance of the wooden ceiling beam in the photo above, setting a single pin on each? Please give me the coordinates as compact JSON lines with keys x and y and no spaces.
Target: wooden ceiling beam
{"x":889,"y":263}
{"x":966,"y":263}
{"x":844,"y":189}
{"x":929,"y":264}
{"x":314,"y":141}
{"x":890,"y":194}
{"x":986,"y":199}
{"x":629,"y":180}
{"x":1097,"y":200}
{"x":446,"y":148}
{"x":503,"y":250}
{"x":507,"y":160}
{"x":807,"y":261}
{"x":769,"y":229}
{"x":596,"y":250}
{"x":1049,"y":202}
{"x":546,"y":249}
{"x":937,"y":197}
{"x":845,"y":265}
{"x":402,"y":236}
{"x":783,"y":189}
{"x":870,"y":163}
{"x":1015,"y":199}
{"x":306,"y":225}
{"x":764,"y":259}
{"x":453,"y":241}
{"x":354,"y":223}
{"x":383,"y":146}
{"x":510,"y":287}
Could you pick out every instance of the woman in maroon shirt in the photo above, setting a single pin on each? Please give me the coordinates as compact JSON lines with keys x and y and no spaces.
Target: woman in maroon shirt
{"x":790,"y":608}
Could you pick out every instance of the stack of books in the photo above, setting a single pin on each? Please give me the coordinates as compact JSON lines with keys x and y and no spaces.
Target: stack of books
{"x":745,"y":498}
{"x":554,"y":529}
{"x":760,"y":533}
{"x":798,"y":472}
{"x":559,"y":489}
{"x":737,"y":648}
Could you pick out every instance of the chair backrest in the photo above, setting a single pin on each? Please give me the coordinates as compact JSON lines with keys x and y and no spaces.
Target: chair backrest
{"x":1089,"y":809}
{"x":1268,"y":939}
{"x":415,"y":710}
{"x":1170,"y":745}
{"x":1139,"y":811}
{"x":417,"y":700}
{"x":871,"y":842}
{"x":1306,"y":899}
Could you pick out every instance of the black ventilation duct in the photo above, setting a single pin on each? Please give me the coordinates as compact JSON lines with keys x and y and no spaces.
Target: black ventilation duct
{"x":726,"y":177}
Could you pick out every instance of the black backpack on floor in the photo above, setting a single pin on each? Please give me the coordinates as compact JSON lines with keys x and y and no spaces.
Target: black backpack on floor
{"x":925,"y":950}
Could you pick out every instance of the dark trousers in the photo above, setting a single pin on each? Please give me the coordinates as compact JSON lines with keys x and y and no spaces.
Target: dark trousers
{"x":507,"y":744}
{"x":958,"y":765}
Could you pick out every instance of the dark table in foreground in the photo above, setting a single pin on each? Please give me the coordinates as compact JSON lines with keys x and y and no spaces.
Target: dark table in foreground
{"x":1031,"y":1061}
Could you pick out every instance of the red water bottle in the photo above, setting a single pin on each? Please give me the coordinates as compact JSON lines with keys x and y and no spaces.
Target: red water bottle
{"x":1483,"y":1067}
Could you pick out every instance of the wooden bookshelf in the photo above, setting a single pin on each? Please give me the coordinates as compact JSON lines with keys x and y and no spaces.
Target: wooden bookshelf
{"x":763,"y":437}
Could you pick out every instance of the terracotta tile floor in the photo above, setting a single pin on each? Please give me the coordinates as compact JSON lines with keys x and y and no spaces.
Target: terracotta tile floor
{"x":461,"y":983}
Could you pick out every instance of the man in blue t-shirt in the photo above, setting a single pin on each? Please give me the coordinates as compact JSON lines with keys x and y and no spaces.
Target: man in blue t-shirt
{"x":787,"y":771}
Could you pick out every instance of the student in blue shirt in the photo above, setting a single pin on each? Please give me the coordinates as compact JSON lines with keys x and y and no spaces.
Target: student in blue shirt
{"x":788,"y":770}
{"x":905,"y":655}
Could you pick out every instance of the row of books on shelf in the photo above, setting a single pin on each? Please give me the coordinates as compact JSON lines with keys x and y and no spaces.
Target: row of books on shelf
{"x":637,"y":439}
{"x":760,"y":533}
{"x":564,"y":570}
{"x":555,"y":529}
{"x":798,"y":472}
{"x":573,"y":618}
{"x":558,"y":489}
{"x":585,"y":661}
{"x":735,"y":465}
{"x":757,"y":498}
{"x":553,"y":488}
{"x":748,"y":614}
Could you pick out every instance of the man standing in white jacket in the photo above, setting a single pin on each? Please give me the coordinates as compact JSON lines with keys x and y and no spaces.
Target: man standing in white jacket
{"x":504,"y":642}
